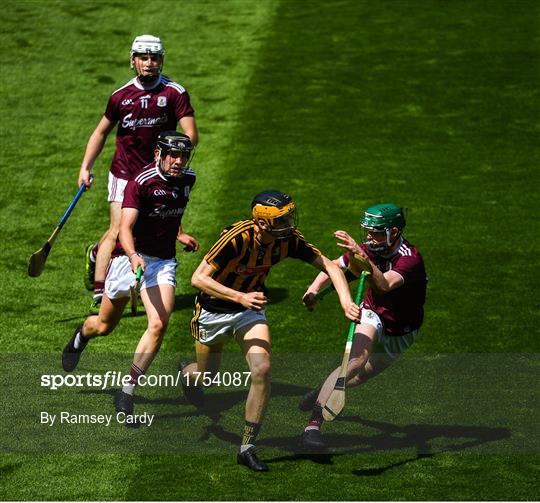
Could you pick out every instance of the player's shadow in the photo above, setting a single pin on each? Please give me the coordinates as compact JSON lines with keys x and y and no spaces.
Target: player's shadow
{"x":390,"y":438}
{"x":427,"y":440}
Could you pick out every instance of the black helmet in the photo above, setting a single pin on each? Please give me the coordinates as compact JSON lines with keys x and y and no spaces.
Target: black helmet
{"x":277,"y":210}
{"x":174,"y":141}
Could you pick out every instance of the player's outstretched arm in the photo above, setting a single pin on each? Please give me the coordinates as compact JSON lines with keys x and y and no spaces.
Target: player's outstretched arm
{"x":203,"y":280}
{"x":351,"y":310}
{"x":321,"y":281}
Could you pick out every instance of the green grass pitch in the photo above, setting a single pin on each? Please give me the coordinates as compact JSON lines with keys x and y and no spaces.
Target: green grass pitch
{"x":431,"y":104}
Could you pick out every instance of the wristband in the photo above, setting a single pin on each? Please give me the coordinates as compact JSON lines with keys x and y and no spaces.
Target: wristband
{"x":134,"y":253}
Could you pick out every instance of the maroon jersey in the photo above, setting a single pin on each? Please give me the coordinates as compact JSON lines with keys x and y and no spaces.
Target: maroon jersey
{"x":161,"y":203}
{"x":141,"y":115}
{"x":402,"y":309}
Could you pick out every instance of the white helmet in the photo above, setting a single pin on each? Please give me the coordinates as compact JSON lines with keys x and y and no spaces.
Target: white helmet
{"x":147,"y":44}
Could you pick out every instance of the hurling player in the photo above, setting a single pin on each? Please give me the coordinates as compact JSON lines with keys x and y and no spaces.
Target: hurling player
{"x":392,"y":309}
{"x":147,"y":105}
{"x":232,"y":301}
{"x":152,"y":210}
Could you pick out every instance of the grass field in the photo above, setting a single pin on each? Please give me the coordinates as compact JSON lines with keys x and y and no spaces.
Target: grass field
{"x":431,"y":104}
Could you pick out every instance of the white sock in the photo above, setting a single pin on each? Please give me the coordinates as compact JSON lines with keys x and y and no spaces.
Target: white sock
{"x":78,"y":341}
{"x":312,"y":428}
{"x":129,"y":388}
{"x":245,"y":447}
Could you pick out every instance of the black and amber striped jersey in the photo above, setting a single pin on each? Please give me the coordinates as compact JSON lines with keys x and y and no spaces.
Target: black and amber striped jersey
{"x":241,"y":262}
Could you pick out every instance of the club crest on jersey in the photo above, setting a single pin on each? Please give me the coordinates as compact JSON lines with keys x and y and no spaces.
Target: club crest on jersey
{"x":162,"y":101}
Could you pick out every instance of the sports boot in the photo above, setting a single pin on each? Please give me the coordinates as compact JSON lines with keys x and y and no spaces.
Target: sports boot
{"x":96,"y":303}
{"x":123,"y":402}
{"x":249,"y":458}
{"x":89,"y":267}
{"x":72,"y":355}
{"x":311,"y":440}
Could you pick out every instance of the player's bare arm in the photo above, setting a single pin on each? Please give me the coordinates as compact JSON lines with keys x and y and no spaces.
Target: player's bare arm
{"x":127,"y":221}
{"x":189,"y":126}
{"x":385,"y":282}
{"x":93,"y":149}
{"x":202,"y":280}
{"x":351,"y":310}
{"x":189,"y":242}
{"x":321,"y":281}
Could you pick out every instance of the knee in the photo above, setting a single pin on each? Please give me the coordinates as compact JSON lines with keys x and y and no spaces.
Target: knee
{"x":260,"y":371}
{"x":357,"y":362}
{"x":157,"y":327}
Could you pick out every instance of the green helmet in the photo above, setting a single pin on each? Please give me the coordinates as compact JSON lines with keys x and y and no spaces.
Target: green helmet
{"x":382,"y":218}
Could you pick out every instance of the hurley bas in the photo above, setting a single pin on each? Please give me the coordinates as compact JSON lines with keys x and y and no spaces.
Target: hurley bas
{"x":105,"y":419}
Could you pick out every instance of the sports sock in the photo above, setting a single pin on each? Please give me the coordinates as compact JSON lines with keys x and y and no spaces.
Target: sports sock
{"x":99,"y":287}
{"x":80,"y":340}
{"x":251,"y":430}
{"x":134,"y":375}
{"x":316,"y":419}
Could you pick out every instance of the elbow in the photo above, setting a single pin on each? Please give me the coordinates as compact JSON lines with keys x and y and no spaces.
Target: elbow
{"x":196,"y":281}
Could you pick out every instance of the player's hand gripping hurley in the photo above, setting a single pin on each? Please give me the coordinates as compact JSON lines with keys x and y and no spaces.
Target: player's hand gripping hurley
{"x":336,"y":401}
{"x":38,"y":259}
{"x":134,"y":291}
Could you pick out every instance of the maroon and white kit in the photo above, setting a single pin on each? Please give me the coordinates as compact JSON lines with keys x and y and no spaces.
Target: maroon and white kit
{"x":401,"y":310}
{"x":141,"y":115}
{"x":161,"y":202}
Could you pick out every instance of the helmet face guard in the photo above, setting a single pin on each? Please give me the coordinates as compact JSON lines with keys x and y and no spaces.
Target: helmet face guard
{"x":278,"y":212}
{"x":379,"y":219}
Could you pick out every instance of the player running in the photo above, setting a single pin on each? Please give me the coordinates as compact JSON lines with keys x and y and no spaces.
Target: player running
{"x":147,"y":105}
{"x":392,"y":310}
{"x":232,"y":301}
{"x":152,"y":211}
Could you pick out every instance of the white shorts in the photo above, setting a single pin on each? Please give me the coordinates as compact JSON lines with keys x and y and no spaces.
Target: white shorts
{"x":120,"y":277}
{"x":210,"y":328}
{"x":392,"y":345}
{"x":116,"y":188}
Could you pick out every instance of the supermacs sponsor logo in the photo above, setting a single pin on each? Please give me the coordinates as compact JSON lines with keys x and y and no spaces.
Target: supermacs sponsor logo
{"x":163,"y":212}
{"x":129,"y":123}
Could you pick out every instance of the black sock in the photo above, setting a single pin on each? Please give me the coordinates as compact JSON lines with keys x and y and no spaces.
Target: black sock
{"x":251,"y":430}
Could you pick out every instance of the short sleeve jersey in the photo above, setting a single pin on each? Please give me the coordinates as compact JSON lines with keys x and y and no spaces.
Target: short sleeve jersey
{"x":241,"y":262}
{"x":141,"y":115}
{"x":161,"y":203}
{"x":402,"y":309}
